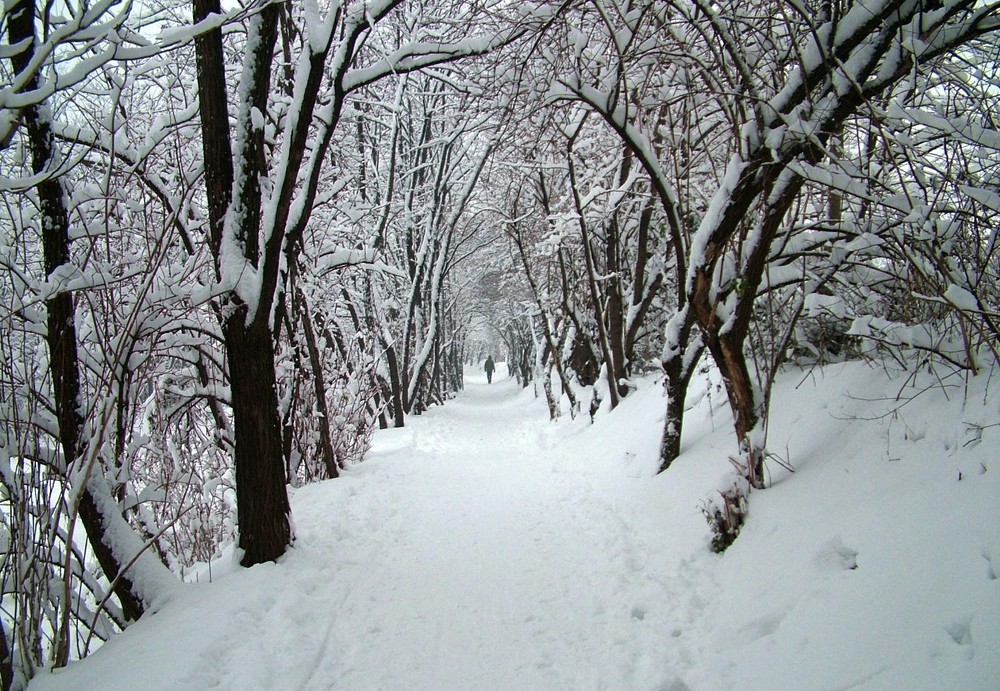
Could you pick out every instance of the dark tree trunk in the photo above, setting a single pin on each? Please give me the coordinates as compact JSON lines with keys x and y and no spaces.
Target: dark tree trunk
{"x":288,"y":415}
{"x":214,"y":405}
{"x":61,"y":318}
{"x":678,"y":370}
{"x":615,"y":319}
{"x":213,"y":106}
{"x":643,"y":294}
{"x":618,"y":367}
{"x":549,"y":397}
{"x":261,"y":499}
{"x":599,"y":309}
{"x":6,"y":662}
{"x":673,"y":424}
{"x":288,"y":431}
{"x":330,"y":460}
{"x":397,"y":384}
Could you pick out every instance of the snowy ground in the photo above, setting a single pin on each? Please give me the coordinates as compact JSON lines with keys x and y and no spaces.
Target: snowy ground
{"x":482,"y":547}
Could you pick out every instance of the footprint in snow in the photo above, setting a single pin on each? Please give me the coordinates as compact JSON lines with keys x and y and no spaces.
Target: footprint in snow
{"x":961,"y":633}
{"x":836,"y":556}
{"x":991,"y":572}
{"x":760,"y":628}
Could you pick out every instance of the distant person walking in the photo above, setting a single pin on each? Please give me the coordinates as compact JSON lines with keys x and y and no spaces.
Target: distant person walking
{"x":490,"y":366}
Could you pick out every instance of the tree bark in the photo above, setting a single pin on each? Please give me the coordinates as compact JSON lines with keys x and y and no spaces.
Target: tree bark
{"x":678,"y":370}
{"x":673,"y":422}
{"x":6,"y":661}
{"x":213,"y":106}
{"x":743,"y":401}
{"x":397,"y":385}
{"x":615,"y":319}
{"x":261,"y":499}
{"x":330,"y":460}
{"x":608,"y":357}
{"x":262,"y":502}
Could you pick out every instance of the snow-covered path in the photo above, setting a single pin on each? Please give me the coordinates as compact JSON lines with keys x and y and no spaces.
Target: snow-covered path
{"x":485,"y":566}
{"x":468,"y":552}
{"x":484,"y":548}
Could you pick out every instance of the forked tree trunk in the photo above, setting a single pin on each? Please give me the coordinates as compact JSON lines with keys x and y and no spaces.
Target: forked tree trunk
{"x":262,"y":502}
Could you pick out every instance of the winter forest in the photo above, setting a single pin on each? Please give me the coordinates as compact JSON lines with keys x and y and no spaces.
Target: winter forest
{"x":240,"y":237}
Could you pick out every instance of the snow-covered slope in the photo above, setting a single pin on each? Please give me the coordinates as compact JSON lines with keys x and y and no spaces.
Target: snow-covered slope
{"x":482,"y":547}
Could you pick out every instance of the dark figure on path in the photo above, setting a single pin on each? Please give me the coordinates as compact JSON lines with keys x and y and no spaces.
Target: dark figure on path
{"x":489,"y":369}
